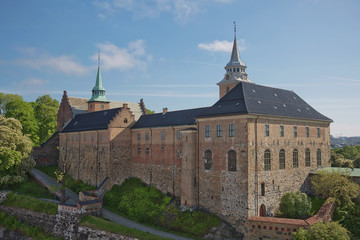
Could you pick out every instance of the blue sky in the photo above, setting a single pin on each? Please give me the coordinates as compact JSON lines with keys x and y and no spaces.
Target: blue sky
{"x":172,"y":53}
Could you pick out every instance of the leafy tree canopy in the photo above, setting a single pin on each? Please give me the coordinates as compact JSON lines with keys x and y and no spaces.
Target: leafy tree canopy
{"x":336,"y":184}
{"x":46,"y":110}
{"x":322,"y":231}
{"x":15,"y":148}
{"x":295,"y":205}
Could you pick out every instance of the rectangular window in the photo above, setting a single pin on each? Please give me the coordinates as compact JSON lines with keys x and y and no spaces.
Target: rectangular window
{"x":162,"y":135}
{"x":179,"y":134}
{"x":102,"y":106}
{"x":318,"y":132}
{"x":84,"y":137}
{"x":207,"y":131}
{"x":147,"y":150}
{"x":262,"y":189}
{"x":138,"y":150}
{"x":295,"y":131}
{"x":307,"y":132}
{"x":147,"y":136}
{"x":307,"y":158}
{"x":179,"y":153}
{"x":77,"y":138}
{"x":100,"y":137}
{"x":92,"y":137}
{"x":219,"y":130}
{"x":231,"y":130}
{"x":295,"y":159}
{"x":162,"y":147}
{"x":67,"y":138}
{"x":281,"y":130}
{"x":138,"y":136}
{"x":267,"y":130}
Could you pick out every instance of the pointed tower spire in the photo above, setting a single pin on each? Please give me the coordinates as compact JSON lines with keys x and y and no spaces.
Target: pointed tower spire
{"x":235,"y":70}
{"x":98,"y":92}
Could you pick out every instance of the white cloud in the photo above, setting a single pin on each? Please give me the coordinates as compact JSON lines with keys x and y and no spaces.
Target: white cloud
{"x":182,"y":10}
{"x":65,"y":63}
{"x":221,"y":46}
{"x":33,"y":82}
{"x":114,"y":57}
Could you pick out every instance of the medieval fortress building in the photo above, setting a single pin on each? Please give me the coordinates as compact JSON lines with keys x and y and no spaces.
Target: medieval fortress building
{"x":235,"y":158}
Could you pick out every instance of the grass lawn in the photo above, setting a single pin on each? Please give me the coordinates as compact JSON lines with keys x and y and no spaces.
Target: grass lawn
{"x":74,"y":185}
{"x":102,"y":224}
{"x":316,"y":204}
{"x":23,"y":201}
{"x":30,"y":188}
{"x":36,"y":233}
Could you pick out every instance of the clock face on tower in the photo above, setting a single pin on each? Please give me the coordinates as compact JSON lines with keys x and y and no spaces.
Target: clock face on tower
{"x":227,"y":76}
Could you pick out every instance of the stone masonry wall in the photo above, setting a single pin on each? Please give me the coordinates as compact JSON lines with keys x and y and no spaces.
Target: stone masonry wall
{"x":276,"y":181}
{"x":281,"y":228}
{"x":222,"y":191}
{"x":158,"y":161}
{"x":48,"y":153}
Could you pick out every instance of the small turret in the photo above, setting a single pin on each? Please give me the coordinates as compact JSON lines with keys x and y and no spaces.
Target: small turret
{"x":98,"y":100}
{"x":235,"y":71}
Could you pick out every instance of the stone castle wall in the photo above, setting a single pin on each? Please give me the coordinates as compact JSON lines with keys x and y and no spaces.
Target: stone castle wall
{"x":47,"y":154}
{"x":276,"y":181}
{"x":221,"y":190}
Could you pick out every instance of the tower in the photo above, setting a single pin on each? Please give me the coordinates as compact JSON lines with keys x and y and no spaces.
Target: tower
{"x":235,"y":71}
{"x":98,"y":100}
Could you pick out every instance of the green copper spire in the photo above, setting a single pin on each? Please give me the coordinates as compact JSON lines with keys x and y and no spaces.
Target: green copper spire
{"x":98,"y":92}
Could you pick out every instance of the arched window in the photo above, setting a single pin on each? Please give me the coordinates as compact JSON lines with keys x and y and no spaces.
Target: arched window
{"x":295,"y":158}
{"x":282,"y":159}
{"x":318,"y":157}
{"x":125,"y":120}
{"x":267,"y":160}
{"x":208,"y":160}
{"x":232,"y":161}
{"x":307,"y":157}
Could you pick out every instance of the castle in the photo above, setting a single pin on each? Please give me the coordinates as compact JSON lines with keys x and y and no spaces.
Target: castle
{"x":235,"y":158}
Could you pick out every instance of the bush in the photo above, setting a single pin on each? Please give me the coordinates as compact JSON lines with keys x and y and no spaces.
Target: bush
{"x":320,"y":231}
{"x":136,"y":200}
{"x":295,"y":205}
{"x":195,"y":223}
{"x":349,"y":217}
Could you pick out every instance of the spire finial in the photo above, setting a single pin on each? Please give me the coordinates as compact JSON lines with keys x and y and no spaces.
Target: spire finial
{"x":234,"y":28}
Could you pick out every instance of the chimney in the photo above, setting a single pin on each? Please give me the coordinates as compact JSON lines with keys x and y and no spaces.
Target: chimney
{"x":165,"y":110}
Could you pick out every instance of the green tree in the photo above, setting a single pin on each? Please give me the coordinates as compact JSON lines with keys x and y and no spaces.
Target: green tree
{"x":46,"y":110}
{"x":24,"y":112}
{"x":15,"y":148}
{"x":5,"y":98}
{"x":295,"y":205}
{"x":323,"y":231}
{"x":336,"y":184}
{"x":338,"y":160}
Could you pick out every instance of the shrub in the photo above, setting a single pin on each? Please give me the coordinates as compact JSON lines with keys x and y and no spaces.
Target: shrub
{"x":295,"y":205}
{"x":320,"y":231}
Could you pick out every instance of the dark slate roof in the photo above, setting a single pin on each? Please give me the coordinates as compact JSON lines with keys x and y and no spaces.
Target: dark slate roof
{"x":91,"y":121}
{"x":175,"y":118}
{"x":249,"y":98}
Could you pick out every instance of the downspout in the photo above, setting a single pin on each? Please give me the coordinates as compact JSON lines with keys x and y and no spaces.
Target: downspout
{"x":78,"y":176}
{"x":97,"y":158}
{"x":151,"y":138}
{"x":173,"y":168}
{"x":198,"y":164}
{"x":256,"y":170}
